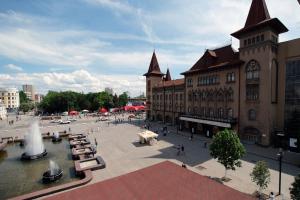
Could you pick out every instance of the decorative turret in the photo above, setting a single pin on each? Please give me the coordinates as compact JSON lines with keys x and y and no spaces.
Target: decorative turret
{"x":259,"y":18}
{"x":168,"y":76}
{"x":154,"y":69}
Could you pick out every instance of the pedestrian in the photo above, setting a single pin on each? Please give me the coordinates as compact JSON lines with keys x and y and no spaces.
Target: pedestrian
{"x":205,"y":145}
{"x":96,"y":143}
{"x":69,"y":129}
{"x":272,"y":196}
{"x":182,"y":149}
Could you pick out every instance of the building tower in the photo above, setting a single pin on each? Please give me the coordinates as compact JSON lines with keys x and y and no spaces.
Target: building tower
{"x":153,"y":77}
{"x":168,"y":76}
{"x":258,"y":75}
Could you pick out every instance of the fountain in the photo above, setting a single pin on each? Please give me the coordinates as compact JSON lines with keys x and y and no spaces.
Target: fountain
{"x":34,"y":146}
{"x":56,"y":137}
{"x":54,"y":173}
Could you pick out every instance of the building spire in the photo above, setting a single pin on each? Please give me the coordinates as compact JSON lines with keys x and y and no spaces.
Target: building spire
{"x":259,"y":18}
{"x":168,"y":76}
{"x":258,"y":12}
{"x":154,"y":68}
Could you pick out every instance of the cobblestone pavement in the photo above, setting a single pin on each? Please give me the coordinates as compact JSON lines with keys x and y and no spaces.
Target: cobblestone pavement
{"x":118,"y":145}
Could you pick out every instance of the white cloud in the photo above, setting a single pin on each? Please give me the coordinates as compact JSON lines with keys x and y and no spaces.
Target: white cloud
{"x":116,"y":5}
{"x":78,"y":80}
{"x":13,"y":67}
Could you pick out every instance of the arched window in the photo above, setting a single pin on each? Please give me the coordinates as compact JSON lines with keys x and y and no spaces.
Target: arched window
{"x":230,"y":94}
{"x":211,"y":112}
{"x":221,"y":112}
{"x":252,"y":115}
{"x":230,"y":113}
{"x":252,"y":70}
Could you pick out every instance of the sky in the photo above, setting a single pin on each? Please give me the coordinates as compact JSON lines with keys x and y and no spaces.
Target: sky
{"x":87,"y":45}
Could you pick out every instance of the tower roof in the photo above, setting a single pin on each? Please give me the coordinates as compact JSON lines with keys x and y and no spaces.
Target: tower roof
{"x":259,"y":17}
{"x":168,"y":76}
{"x":154,"y":67}
{"x":258,"y":12}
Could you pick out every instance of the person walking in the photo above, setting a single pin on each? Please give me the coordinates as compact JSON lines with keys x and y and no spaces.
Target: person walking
{"x":182,"y":149}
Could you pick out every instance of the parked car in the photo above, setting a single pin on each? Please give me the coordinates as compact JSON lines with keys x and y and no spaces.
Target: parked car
{"x":65,"y":122}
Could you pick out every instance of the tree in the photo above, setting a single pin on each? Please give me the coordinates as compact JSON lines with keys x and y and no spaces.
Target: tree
{"x":261,"y":175}
{"x":25,"y":107}
{"x":295,"y":189}
{"x":23,"y":97}
{"x":123,"y":99}
{"x":227,"y":149}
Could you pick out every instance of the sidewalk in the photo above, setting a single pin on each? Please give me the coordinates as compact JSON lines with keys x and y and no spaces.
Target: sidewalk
{"x":263,"y":152}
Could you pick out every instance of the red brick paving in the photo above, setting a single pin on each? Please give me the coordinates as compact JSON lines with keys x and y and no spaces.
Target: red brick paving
{"x":165,"y":180}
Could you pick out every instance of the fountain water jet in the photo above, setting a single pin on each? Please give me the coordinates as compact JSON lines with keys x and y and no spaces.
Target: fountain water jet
{"x":34,"y":146}
{"x":53,"y":173}
{"x":56,"y":137}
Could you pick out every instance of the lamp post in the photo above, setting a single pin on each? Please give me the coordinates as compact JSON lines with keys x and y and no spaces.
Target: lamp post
{"x":280,"y":155}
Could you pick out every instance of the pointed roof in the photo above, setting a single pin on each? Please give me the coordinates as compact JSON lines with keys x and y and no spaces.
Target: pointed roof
{"x":168,"y":76}
{"x":259,"y":17}
{"x":154,"y":67}
{"x":258,"y":12}
{"x":216,"y":59}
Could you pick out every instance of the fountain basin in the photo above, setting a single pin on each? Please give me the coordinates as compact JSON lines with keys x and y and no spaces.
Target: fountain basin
{"x":48,"y":177}
{"x":34,"y":157}
{"x":76,"y":152}
{"x":85,"y":141}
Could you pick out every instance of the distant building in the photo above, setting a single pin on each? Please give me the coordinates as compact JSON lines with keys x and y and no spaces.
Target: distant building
{"x":10,"y":98}
{"x":29,"y":90}
{"x":253,"y":90}
{"x":109,"y":90}
{"x":38,"y":98}
{"x":3,"y":111}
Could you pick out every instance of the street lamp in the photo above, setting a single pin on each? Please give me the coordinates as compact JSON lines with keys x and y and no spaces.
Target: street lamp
{"x":280,"y":155}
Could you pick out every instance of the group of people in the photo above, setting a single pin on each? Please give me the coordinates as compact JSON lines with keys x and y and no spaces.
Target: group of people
{"x":180,"y":150}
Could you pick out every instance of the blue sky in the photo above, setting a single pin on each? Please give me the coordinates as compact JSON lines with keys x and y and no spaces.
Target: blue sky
{"x":87,"y":45}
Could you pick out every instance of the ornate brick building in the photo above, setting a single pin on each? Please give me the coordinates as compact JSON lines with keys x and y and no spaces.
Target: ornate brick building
{"x":255,"y":90}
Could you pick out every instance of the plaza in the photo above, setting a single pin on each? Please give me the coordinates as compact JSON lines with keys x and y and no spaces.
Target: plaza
{"x":118,"y":145}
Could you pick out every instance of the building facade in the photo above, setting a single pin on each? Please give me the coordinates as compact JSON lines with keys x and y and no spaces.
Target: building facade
{"x":10,"y":98}
{"x":3,"y":112}
{"x":29,"y":90}
{"x":254,"y":90}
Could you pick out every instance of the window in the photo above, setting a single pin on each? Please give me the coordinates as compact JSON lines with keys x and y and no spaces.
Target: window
{"x":230,"y":94}
{"x":230,"y":113}
{"x":245,"y":42}
{"x":252,"y":70}
{"x":252,"y":92}
{"x":249,"y":41}
{"x":257,"y":39}
{"x":252,"y":115}
{"x":221,"y":112}
{"x":189,"y":82}
{"x":253,"y":40}
{"x":262,"y":37}
{"x":230,"y":77}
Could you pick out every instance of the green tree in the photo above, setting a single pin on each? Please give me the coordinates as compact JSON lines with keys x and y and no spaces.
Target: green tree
{"x":261,"y":175}
{"x":23,"y":97}
{"x":116,"y":101}
{"x":295,"y":189}
{"x":123,"y":99}
{"x":227,"y":149}
{"x":25,"y":107}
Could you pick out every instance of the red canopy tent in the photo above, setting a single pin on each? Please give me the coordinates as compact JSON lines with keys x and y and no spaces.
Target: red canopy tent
{"x":73,"y":112}
{"x":102,"y":110}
